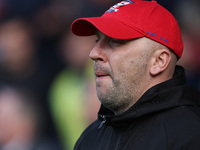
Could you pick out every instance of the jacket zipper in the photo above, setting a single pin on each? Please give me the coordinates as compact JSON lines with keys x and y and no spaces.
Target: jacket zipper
{"x":102,"y":122}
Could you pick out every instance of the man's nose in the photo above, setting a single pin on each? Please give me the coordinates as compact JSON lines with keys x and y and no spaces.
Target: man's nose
{"x":97,"y":53}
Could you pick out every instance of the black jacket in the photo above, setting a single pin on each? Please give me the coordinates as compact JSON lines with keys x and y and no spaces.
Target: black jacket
{"x":166,"y":117}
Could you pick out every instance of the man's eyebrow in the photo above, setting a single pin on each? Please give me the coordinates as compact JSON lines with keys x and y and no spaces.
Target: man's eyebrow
{"x":97,"y":32}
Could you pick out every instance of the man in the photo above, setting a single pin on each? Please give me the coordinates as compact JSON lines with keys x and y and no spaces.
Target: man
{"x":146,"y":104}
{"x":21,"y":121}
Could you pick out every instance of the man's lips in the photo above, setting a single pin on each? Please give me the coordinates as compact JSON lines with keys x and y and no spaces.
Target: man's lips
{"x":100,"y":74}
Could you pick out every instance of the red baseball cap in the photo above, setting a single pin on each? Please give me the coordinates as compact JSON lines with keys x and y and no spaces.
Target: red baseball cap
{"x":131,"y":19}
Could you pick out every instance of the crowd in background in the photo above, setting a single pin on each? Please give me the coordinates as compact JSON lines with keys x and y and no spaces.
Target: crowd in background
{"x":47,"y":89}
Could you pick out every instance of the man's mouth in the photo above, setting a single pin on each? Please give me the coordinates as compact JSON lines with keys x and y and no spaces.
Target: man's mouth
{"x":100,"y":74}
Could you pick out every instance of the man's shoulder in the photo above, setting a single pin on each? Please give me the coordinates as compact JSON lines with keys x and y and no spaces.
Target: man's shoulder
{"x":182,"y":123}
{"x":89,"y":134}
{"x":174,"y":128}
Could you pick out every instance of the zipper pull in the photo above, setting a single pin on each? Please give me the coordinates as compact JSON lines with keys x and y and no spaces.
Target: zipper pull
{"x":102,"y":122}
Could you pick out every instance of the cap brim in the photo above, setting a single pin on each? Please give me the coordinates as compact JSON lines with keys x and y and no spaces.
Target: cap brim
{"x":108,"y":26}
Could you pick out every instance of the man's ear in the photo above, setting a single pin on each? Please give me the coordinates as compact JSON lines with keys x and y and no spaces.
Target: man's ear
{"x":160,"y":61}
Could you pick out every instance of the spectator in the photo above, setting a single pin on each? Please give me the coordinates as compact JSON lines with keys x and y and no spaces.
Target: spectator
{"x":20,"y":64}
{"x":21,"y":122}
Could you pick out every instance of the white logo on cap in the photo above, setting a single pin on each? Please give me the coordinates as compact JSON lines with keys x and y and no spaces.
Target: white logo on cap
{"x":116,"y":7}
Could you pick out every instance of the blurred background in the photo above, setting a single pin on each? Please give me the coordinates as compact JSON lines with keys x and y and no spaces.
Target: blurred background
{"x":47,"y":89}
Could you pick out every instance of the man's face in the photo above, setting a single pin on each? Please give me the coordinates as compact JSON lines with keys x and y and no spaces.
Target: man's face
{"x":121,"y":68}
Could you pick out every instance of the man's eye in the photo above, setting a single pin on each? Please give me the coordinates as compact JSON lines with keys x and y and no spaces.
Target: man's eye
{"x":97,"y":40}
{"x":115,"y":41}
{"x":118,"y":42}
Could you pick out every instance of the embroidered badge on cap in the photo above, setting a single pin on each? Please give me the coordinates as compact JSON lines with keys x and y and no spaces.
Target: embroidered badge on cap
{"x":116,"y":7}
